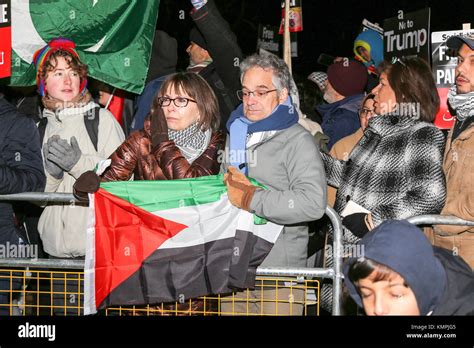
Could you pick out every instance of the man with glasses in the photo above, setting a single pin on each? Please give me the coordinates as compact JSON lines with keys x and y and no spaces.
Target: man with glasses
{"x":459,"y":155}
{"x":267,"y":143}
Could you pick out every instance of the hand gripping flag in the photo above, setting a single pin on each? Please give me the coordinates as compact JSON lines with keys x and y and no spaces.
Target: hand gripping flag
{"x":151,"y":242}
{"x":113,"y":37}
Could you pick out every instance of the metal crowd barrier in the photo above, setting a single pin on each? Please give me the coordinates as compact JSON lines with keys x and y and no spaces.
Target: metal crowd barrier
{"x":439,"y":220}
{"x":295,"y":274}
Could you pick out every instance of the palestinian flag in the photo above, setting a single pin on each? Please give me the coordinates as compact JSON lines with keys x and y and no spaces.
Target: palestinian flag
{"x":165,"y":241}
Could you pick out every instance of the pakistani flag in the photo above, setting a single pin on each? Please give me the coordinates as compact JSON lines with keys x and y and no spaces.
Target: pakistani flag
{"x":164,"y":241}
{"x":113,"y":37}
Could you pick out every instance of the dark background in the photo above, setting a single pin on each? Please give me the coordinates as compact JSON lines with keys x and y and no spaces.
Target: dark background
{"x":329,"y":26}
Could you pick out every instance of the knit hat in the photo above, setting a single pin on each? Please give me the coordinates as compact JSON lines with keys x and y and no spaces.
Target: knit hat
{"x":348,"y":77}
{"x":455,"y":42}
{"x":42,"y":55}
{"x":196,"y":37}
{"x":403,"y":248}
{"x":318,"y":77}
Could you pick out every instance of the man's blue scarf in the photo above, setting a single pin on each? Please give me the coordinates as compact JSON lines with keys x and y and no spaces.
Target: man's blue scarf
{"x":282,"y":117}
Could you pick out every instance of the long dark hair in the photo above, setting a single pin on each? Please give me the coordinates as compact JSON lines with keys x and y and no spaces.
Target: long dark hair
{"x":198,"y":89}
{"x":412,"y":81}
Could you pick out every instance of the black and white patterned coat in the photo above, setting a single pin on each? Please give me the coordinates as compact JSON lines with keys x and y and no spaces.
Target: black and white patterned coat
{"x":395,"y":171}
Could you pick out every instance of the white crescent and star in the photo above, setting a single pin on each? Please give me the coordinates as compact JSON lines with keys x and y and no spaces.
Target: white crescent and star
{"x":25,"y":38}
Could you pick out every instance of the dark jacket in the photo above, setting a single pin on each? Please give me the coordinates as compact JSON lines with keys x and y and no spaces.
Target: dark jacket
{"x":163,"y":61}
{"x":458,"y":296}
{"x":136,"y":156}
{"x":223,"y":74}
{"x":443,"y":284}
{"x":341,"y":118}
{"x":145,"y":100}
{"x":21,"y":163}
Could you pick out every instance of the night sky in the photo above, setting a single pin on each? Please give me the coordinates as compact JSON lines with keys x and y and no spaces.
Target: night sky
{"x":330,"y":26}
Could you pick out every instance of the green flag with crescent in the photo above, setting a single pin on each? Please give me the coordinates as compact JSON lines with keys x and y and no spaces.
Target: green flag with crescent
{"x":113,"y":37}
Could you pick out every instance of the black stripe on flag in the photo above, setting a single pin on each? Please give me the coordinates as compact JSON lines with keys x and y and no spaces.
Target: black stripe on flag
{"x":176,"y":274}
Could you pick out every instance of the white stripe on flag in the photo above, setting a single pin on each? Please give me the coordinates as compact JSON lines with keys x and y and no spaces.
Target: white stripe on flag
{"x":214,"y":221}
{"x":89,"y":262}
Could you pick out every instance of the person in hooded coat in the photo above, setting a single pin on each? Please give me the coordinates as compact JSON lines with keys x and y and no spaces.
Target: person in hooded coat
{"x":401,"y":273}
{"x":21,"y":170}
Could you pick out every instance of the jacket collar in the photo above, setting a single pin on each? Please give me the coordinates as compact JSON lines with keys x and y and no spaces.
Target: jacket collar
{"x":466,"y":134}
{"x":388,"y":124}
{"x":351,"y":103}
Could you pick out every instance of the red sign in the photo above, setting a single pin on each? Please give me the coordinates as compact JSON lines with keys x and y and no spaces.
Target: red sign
{"x":296,"y":17}
{"x":443,"y":120}
{"x":5,"y":39}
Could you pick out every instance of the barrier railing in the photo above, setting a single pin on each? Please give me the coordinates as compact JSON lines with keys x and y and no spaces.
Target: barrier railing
{"x":439,"y":220}
{"x":297,"y":274}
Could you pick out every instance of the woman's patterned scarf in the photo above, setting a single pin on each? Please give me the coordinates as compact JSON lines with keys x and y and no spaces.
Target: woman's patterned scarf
{"x":192,"y":141}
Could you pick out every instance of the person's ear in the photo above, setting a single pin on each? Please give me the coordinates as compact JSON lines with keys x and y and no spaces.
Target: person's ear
{"x":283,"y":95}
{"x":205,"y":52}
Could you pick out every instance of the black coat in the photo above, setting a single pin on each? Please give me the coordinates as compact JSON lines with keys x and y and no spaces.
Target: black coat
{"x":21,"y":163}
{"x":458,"y":297}
{"x":223,"y":74}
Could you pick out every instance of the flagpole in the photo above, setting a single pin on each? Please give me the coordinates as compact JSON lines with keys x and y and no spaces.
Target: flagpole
{"x":286,"y":37}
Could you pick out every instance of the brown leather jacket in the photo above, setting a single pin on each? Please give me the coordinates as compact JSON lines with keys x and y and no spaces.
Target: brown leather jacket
{"x":138,"y":156}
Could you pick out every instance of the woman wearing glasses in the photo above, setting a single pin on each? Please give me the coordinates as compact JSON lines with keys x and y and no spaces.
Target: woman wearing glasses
{"x":342,"y":148}
{"x":180,"y":138}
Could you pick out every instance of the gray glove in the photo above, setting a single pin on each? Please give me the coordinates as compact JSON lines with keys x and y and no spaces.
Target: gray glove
{"x":64,"y":155}
{"x":51,"y":167}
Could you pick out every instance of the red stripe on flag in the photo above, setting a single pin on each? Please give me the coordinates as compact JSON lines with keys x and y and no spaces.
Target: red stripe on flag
{"x":125,"y":235}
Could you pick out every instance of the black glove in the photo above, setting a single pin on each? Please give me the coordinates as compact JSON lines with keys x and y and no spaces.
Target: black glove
{"x":357,"y":223}
{"x":158,"y":129}
{"x":88,"y":182}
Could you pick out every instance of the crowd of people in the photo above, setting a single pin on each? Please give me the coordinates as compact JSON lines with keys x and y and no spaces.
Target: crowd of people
{"x":370,"y":150}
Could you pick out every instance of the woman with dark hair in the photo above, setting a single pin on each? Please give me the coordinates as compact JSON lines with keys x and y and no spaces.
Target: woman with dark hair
{"x":395,"y":171}
{"x":180,"y":138}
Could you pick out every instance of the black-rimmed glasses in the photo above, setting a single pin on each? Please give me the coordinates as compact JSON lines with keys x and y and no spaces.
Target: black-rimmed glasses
{"x":179,"y":102}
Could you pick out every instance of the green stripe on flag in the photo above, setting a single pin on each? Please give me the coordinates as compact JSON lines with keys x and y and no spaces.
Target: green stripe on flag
{"x":159,"y":195}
